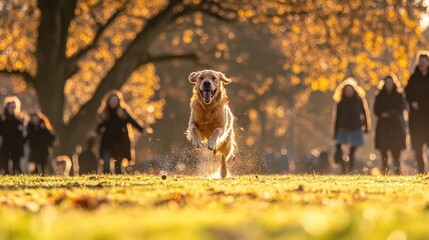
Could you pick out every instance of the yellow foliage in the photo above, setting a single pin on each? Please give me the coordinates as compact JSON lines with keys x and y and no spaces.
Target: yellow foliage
{"x":139,"y":90}
{"x":295,"y":80}
{"x":296,"y":68}
{"x":187,"y":36}
{"x":367,"y":42}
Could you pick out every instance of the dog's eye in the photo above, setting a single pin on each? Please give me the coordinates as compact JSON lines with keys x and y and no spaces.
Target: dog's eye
{"x":213,"y":78}
{"x":200,"y":78}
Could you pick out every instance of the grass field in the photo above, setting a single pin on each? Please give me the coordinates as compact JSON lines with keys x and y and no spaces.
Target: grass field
{"x":244,"y":207}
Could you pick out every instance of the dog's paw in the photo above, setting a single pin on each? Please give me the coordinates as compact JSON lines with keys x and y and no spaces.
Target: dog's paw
{"x":197,"y":142}
{"x":212,"y":145}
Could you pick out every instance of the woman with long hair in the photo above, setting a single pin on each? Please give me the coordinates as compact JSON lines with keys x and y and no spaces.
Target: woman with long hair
{"x":114,"y":124}
{"x":41,"y":137}
{"x":12,"y":132}
{"x":390,"y":131}
{"x":351,"y":121}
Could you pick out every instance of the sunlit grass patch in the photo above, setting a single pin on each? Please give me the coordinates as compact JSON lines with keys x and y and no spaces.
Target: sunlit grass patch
{"x":240,"y":207}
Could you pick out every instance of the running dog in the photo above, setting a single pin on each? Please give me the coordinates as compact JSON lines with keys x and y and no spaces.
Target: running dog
{"x":211,"y":122}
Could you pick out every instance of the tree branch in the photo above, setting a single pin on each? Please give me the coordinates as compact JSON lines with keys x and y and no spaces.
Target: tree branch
{"x":24,"y":74}
{"x":100,"y":32}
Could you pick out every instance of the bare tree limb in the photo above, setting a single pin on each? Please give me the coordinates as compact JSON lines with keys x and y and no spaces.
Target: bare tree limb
{"x":24,"y":74}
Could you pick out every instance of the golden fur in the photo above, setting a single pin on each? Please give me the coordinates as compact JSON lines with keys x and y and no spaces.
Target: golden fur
{"x":211,"y":122}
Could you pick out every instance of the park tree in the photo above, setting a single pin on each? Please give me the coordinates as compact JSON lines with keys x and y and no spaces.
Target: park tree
{"x":73,"y":52}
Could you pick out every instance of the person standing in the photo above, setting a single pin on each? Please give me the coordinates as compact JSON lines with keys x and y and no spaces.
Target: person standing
{"x":41,"y":137}
{"x":417,"y":95}
{"x":114,"y":125}
{"x":390,"y":130}
{"x":12,"y":132}
{"x":351,"y":121}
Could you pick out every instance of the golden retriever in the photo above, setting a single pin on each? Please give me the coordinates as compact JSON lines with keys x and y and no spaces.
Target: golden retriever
{"x":211,"y":120}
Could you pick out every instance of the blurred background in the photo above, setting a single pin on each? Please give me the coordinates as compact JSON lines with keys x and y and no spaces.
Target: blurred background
{"x":285,"y":59}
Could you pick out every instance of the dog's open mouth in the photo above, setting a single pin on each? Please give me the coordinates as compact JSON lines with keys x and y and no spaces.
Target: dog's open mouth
{"x":207,"y":95}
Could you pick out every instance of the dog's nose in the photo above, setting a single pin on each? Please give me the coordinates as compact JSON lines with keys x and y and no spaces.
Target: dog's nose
{"x":206,"y":84}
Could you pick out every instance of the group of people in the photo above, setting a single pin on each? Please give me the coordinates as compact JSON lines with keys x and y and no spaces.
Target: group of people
{"x":16,"y":130}
{"x":352,"y":118}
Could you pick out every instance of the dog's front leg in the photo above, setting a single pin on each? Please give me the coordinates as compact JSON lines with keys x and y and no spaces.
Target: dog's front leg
{"x":195,"y":136}
{"x":212,"y":143}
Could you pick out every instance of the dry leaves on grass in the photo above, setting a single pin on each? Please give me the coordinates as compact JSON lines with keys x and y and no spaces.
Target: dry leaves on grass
{"x":174,"y":201}
{"x":82,"y":201}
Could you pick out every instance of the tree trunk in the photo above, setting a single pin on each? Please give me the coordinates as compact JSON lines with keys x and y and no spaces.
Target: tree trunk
{"x":51,"y":74}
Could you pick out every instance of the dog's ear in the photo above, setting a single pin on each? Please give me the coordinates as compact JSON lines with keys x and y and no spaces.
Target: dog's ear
{"x":223,"y":78}
{"x":193,"y":77}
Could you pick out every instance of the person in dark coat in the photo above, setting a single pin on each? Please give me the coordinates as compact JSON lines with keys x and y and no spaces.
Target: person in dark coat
{"x":12,"y":131}
{"x":390,"y":131}
{"x":114,"y":125}
{"x":41,"y":137}
{"x":417,"y":95}
{"x":87,"y":159}
{"x":351,"y":121}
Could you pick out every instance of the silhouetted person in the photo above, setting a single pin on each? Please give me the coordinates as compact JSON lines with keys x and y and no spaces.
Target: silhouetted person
{"x":114,"y":124}
{"x":390,"y":131}
{"x":417,"y":94}
{"x":88,"y":161}
{"x":12,"y":132}
{"x":351,"y":120}
{"x":41,"y":137}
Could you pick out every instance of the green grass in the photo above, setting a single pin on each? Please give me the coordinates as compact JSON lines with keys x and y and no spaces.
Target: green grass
{"x":245,"y":207}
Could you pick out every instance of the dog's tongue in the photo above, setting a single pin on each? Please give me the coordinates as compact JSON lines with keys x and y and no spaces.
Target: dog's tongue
{"x":207,"y":95}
